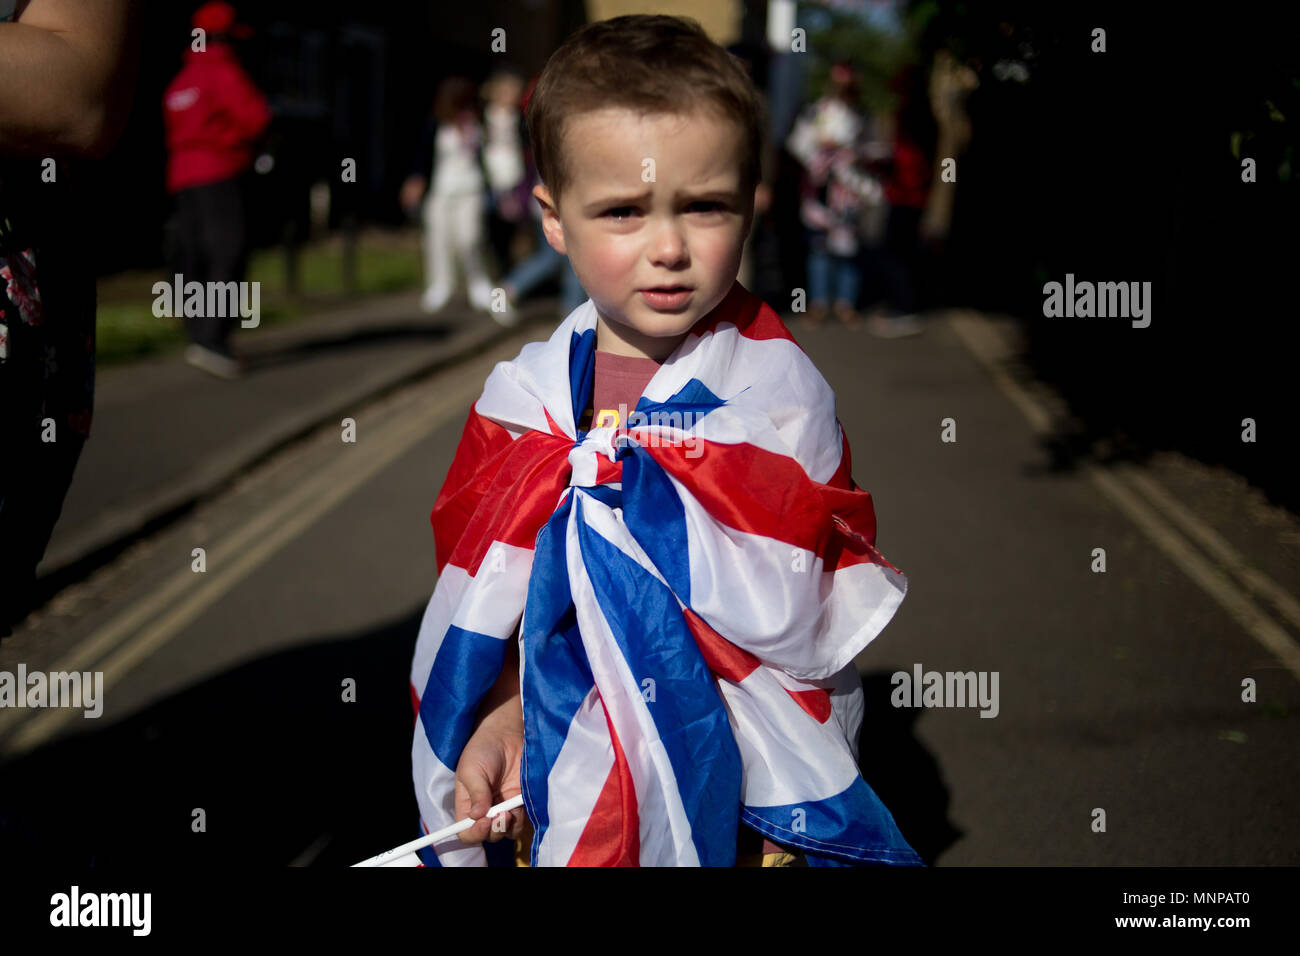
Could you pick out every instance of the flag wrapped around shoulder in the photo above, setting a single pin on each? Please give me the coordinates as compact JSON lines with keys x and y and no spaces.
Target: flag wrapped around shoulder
{"x":689,"y":598}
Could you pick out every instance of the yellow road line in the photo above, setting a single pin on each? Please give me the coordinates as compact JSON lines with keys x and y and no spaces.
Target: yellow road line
{"x":1123,"y":486}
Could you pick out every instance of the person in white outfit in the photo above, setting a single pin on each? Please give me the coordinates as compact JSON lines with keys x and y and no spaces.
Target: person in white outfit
{"x":451,"y":178}
{"x":503,"y":159}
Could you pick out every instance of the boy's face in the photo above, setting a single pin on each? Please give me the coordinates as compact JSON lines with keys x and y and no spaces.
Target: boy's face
{"x":623,"y":235}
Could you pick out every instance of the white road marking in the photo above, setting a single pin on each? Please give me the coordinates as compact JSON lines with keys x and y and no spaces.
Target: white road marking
{"x":1124,"y":487}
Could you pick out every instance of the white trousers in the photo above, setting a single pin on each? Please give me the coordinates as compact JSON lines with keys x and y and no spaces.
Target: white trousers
{"x":454,"y":236}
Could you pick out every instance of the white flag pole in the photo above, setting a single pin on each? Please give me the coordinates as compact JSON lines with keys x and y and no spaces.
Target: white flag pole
{"x":388,"y":856}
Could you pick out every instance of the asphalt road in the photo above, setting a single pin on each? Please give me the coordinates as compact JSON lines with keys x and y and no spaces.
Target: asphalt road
{"x":1118,"y":691}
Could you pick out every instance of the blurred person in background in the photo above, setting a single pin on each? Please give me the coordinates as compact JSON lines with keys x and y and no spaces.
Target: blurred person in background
{"x":906,"y":176}
{"x":503,"y":160}
{"x":68,"y":70}
{"x":448,"y":183}
{"x":544,"y":262}
{"x":213,"y":115}
{"x":826,"y":139}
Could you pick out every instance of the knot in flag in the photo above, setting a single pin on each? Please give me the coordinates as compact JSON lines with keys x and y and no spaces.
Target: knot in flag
{"x":583,"y":457}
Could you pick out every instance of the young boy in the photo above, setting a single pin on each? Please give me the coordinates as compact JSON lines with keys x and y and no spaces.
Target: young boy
{"x":690,"y":609}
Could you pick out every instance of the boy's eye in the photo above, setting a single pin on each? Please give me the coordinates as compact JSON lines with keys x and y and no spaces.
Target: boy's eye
{"x":623,"y":212}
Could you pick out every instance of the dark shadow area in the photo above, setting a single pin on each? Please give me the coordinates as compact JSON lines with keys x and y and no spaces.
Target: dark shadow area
{"x":270,"y":751}
{"x":1127,"y":166}
{"x":902,"y":772}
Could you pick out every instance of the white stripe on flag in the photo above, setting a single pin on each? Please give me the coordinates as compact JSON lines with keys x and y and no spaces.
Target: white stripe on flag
{"x":658,"y":801}
{"x":575,"y":782}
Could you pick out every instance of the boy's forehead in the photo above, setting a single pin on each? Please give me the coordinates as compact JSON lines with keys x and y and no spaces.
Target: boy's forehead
{"x":610,"y":147}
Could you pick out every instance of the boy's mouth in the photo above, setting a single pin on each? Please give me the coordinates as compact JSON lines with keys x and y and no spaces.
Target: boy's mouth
{"x":667,"y":297}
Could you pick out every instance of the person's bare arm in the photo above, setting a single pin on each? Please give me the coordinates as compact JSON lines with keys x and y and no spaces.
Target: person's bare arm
{"x":67,"y":74}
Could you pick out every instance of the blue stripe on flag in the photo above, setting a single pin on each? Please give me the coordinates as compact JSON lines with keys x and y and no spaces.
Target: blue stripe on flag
{"x":851,"y":827}
{"x":582,"y":373}
{"x":557,"y":677}
{"x":427,"y":856}
{"x":694,"y":397}
{"x":656,"y":518}
{"x":466,"y":665}
{"x":688,"y":712}
{"x":612,"y":497}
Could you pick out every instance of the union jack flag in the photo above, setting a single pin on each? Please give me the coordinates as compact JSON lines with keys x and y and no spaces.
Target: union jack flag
{"x":688,"y":597}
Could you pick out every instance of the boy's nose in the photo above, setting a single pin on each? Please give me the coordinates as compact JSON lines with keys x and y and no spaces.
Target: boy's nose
{"x":668,"y":247}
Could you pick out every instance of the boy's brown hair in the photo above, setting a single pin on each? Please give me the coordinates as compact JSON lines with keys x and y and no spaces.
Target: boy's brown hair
{"x":649,"y":63}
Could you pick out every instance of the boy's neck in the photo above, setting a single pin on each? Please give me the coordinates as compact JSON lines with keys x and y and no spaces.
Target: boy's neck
{"x":620,"y":340}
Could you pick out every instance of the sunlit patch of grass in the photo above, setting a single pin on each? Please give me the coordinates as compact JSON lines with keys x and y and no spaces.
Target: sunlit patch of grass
{"x":126,"y":328}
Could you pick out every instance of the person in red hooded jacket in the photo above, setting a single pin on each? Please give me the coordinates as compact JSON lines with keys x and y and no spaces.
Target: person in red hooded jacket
{"x":213,"y":116}
{"x":907,"y":178}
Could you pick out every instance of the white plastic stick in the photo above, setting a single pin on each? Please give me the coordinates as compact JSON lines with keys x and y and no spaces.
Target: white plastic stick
{"x":438,"y":836}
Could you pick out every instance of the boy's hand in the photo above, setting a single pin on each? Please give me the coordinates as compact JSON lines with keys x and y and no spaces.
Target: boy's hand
{"x":412,"y":193}
{"x":488,"y":773}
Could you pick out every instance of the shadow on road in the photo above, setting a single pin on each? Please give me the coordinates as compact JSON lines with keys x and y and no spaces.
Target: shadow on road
{"x":276,"y":759}
{"x":902,"y":772}
{"x":269,"y":751}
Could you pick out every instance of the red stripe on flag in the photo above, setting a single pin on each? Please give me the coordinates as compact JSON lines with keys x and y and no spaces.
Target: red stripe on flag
{"x":612,"y":836}
{"x":843,"y":477}
{"x":817,"y":702}
{"x":481,"y":441}
{"x":507,"y":498}
{"x":760,"y":492}
{"x":723,"y":658}
{"x":752,"y":317}
{"x":415,"y":705}
{"x":726,"y":660}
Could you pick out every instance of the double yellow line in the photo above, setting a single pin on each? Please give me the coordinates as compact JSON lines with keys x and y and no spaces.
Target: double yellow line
{"x":1234,"y":584}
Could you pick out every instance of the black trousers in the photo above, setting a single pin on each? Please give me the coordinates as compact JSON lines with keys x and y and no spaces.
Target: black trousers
{"x":32,"y":488}
{"x":894,"y":267}
{"x":211,"y":247}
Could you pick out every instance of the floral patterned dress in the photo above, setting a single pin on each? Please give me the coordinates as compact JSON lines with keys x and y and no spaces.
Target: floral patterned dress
{"x":58,"y":361}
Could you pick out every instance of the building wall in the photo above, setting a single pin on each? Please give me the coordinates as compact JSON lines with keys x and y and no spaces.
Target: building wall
{"x":719,"y":18}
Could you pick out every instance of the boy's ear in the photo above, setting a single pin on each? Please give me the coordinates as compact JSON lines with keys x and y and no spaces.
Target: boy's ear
{"x":551,"y":226}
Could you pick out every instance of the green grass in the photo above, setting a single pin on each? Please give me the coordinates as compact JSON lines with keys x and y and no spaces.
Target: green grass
{"x":127,"y":329}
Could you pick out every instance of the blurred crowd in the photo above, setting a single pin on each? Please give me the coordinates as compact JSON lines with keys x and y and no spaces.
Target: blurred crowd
{"x":872,"y":200}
